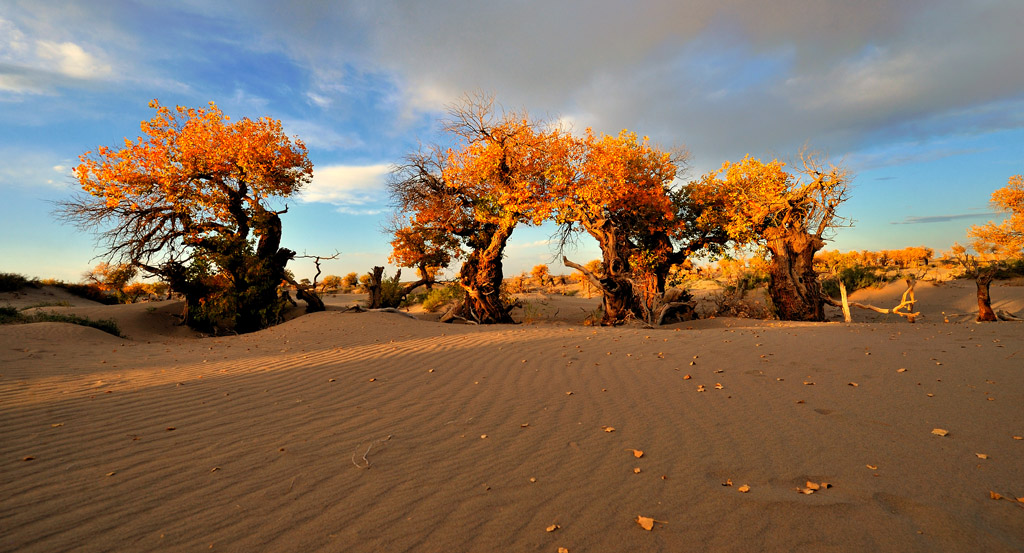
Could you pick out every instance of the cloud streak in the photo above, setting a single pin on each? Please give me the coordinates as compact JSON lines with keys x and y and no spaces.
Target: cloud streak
{"x":919,"y":220}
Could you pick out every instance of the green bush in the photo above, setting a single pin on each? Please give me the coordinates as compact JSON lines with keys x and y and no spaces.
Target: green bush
{"x":855,"y":278}
{"x":442,"y":295}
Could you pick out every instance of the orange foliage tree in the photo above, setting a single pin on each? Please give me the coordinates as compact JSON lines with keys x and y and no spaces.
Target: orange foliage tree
{"x":426,"y":249}
{"x":791,"y":215}
{"x":188,"y":201}
{"x":475,"y":193}
{"x":996,"y":243}
{"x":621,"y":191}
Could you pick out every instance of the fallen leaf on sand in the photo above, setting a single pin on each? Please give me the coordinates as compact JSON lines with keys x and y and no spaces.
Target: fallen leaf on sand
{"x":533,"y":479}
{"x":647,"y":523}
{"x":608,"y":428}
{"x":170,"y":428}
{"x":981,"y":456}
{"x":854,"y":384}
{"x":568,"y":393}
{"x":743,"y":489}
{"x":994,"y":495}
{"x":552,"y":528}
{"x":812,"y":485}
{"x":901,"y":370}
{"x":805,"y":491}
{"x":1018,"y":437}
{"x":373,"y":379}
{"x":56,"y":425}
{"x":718,"y":385}
{"x":214,"y":469}
{"x":563,"y":550}
{"x":111,"y":473}
{"x":727,"y":482}
{"x":636,"y":453}
{"x":808,"y":383}
{"x":483,"y":436}
{"x":636,"y":470}
{"x":687,"y":377}
{"x":332,"y":380}
{"x":700,"y":388}
{"x":524,"y":425}
{"x":29,"y":458}
{"x":940,"y":432}
{"x":872,"y":467}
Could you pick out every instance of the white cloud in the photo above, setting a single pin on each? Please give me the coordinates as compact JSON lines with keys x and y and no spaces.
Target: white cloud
{"x":349,"y":186}
{"x":28,"y":169}
{"x":71,"y":60}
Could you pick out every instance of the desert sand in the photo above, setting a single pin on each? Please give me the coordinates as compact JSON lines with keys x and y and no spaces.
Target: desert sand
{"x":342,"y":431}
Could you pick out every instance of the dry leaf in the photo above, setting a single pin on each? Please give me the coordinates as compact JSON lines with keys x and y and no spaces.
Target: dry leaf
{"x":373,"y":379}
{"x":568,"y":393}
{"x":700,"y":388}
{"x":743,"y":489}
{"x":214,"y":469}
{"x":1018,"y":437}
{"x":56,"y":425}
{"x":808,"y":383}
{"x":524,"y":425}
{"x":483,"y":436}
{"x":645,"y":522}
{"x":718,"y":385}
{"x":981,"y":456}
{"x":872,"y":467}
{"x":826,"y":485}
{"x":332,"y":380}
{"x":727,"y":482}
{"x":719,"y":371}
{"x":805,"y":491}
{"x":170,"y":428}
{"x":430,"y":370}
{"x":29,"y":458}
{"x":111,"y":473}
{"x":901,"y":370}
{"x":813,"y":486}
{"x":800,"y":401}
{"x":636,"y":453}
{"x":608,"y":428}
{"x":563,"y":550}
{"x":636,"y":470}
{"x":854,"y":384}
{"x":994,"y":495}
{"x":687,"y":377}
{"x":940,"y":432}
{"x":533,"y":479}
{"x":930,"y":395}
{"x":552,"y":528}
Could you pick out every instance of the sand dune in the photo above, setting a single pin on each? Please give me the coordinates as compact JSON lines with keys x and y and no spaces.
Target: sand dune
{"x":376,"y":432}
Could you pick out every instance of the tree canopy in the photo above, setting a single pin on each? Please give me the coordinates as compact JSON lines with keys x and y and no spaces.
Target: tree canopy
{"x":186,"y":200}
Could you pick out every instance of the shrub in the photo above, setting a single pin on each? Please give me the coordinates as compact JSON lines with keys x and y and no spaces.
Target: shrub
{"x":12,"y":282}
{"x":442,"y":295}
{"x":855,"y":278}
{"x":10,"y":315}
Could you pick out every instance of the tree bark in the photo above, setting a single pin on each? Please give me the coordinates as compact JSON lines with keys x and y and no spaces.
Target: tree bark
{"x":376,"y":281}
{"x":481,"y":276}
{"x":793,"y":283}
{"x":985,"y":312}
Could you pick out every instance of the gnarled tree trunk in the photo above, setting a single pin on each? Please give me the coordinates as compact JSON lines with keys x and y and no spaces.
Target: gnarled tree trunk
{"x":793,"y":284}
{"x":985,"y":312}
{"x":481,"y":276}
{"x":376,"y":281}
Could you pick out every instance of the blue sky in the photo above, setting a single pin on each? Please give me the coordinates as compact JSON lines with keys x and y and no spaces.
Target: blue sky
{"x":922,"y":100}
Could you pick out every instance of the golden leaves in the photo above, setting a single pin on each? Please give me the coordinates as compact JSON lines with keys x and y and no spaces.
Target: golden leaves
{"x":743,"y":489}
{"x":636,"y":453}
{"x":608,"y":428}
{"x":981,"y":456}
{"x":940,"y":432}
{"x":552,"y":528}
{"x":811,"y":487}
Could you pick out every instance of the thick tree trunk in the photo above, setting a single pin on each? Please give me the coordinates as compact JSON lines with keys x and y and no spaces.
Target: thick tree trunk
{"x":481,"y":276}
{"x":619,"y":300}
{"x":376,"y":281}
{"x":793,"y":284}
{"x":985,"y":312}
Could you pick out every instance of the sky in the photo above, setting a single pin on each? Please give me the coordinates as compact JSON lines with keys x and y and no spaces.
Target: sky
{"x":923,"y":100}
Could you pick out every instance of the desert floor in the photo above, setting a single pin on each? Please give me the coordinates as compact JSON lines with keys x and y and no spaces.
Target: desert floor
{"x":378,"y":432}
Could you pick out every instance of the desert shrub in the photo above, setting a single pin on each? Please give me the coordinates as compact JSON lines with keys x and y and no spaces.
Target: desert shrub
{"x":12,"y":282}
{"x":735,"y":303}
{"x":90,"y":292}
{"x":442,"y":295}
{"x":10,"y":315}
{"x":46,"y":304}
